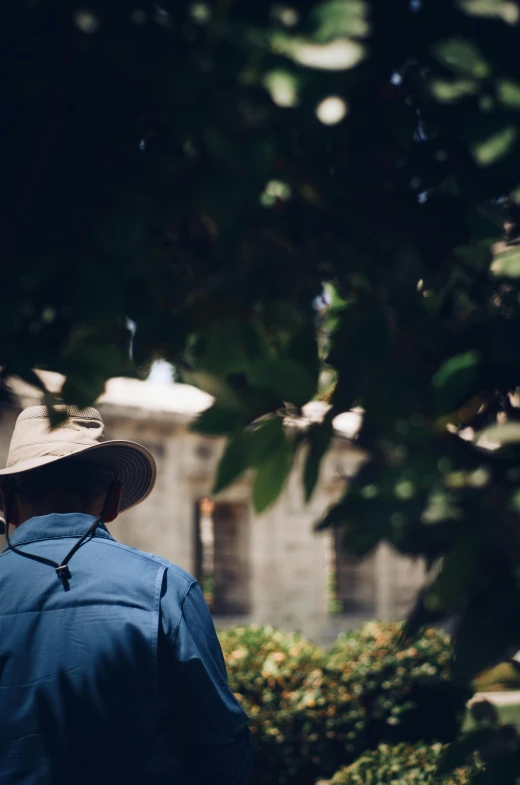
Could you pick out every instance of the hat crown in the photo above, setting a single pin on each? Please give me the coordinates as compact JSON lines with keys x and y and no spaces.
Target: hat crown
{"x":40,"y":413}
{"x":33,"y":437}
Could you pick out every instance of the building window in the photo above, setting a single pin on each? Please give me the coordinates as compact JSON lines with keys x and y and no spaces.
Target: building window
{"x":351,"y":581}
{"x":222,"y":555}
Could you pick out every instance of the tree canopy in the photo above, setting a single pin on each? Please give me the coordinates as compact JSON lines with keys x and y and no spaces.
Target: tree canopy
{"x":289,"y":201}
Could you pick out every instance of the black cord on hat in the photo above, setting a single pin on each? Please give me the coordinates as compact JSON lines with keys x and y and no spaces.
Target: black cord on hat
{"x":62,"y":569}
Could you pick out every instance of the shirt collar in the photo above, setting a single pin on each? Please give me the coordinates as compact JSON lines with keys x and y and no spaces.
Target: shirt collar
{"x":55,"y":526}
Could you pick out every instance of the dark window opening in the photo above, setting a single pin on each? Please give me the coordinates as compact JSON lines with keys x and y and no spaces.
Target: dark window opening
{"x":352,"y":586}
{"x":222,"y":555}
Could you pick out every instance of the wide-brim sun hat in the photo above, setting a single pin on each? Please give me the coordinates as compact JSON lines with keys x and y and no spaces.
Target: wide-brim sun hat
{"x":80,"y":437}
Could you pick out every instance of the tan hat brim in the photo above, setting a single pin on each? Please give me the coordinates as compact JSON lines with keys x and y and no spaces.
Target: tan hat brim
{"x":132,"y":463}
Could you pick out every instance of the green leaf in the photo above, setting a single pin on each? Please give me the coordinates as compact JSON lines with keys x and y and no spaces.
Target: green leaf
{"x":234,"y":461}
{"x":337,"y":55}
{"x":83,"y":391}
{"x":285,"y":377}
{"x":486,"y":226}
{"x":271,"y":475}
{"x":319,"y":440}
{"x":506,"y":264}
{"x":454,"y":381}
{"x":498,"y":9}
{"x":264,"y":440}
{"x":447,"y":91}
{"x":365,"y":521}
{"x":361,"y":537}
{"x":224,"y":395}
{"x":219,"y":349}
{"x":509,"y":93}
{"x":283,"y":87}
{"x":495,"y":146}
{"x":463,"y":57}
{"x":259,"y":403}
{"x":56,"y":416}
{"x":217,"y":421}
{"x":336,"y":514}
{"x":340,"y":19}
{"x":361,"y":344}
{"x":303,"y":350}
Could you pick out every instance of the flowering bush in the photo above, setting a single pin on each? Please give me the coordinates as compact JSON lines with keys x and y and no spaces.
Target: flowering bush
{"x":280,"y":680}
{"x":402,"y":764}
{"x":406,"y":690}
{"x":312,"y":712}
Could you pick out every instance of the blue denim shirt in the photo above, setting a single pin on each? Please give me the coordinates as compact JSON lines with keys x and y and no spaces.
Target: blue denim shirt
{"x":120,"y":679}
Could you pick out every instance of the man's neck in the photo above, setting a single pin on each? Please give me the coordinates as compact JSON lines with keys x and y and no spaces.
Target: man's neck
{"x":59,"y":506}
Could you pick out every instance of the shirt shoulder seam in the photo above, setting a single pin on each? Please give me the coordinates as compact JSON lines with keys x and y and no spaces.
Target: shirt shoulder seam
{"x":181,"y":616}
{"x":188,"y":579}
{"x":148,"y":556}
{"x":168,"y":565}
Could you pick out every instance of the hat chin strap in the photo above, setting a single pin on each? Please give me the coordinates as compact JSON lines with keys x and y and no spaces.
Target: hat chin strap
{"x":62,"y":569}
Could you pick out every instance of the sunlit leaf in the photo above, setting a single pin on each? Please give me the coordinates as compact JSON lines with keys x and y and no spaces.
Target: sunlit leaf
{"x":495,"y":146}
{"x":509,"y":93}
{"x":508,"y":433}
{"x":506,"y":264}
{"x":499,"y":9}
{"x":338,"y":18}
{"x":337,"y":55}
{"x":463,"y":57}
{"x":448,"y":91}
{"x":282,"y":87}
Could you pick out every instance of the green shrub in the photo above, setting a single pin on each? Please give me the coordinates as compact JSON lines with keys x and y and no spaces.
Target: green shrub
{"x":312,"y":712}
{"x":402,"y":765}
{"x":279,"y":679}
{"x":406,"y":691}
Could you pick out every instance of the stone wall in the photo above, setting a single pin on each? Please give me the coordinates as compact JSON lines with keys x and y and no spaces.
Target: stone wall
{"x":284,"y":564}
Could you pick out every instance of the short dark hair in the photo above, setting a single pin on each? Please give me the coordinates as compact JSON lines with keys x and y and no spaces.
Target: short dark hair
{"x":84,"y":479}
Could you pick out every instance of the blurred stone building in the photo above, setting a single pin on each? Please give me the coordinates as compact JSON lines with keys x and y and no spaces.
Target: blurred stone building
{"x":270,"y":568}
